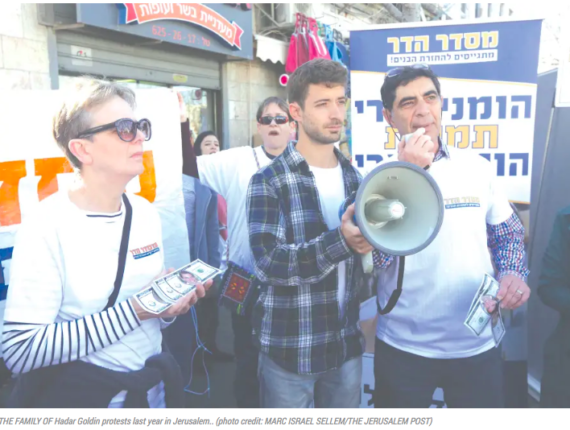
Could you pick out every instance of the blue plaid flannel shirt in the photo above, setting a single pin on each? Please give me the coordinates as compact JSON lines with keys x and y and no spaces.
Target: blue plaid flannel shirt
{"x":296,"y":319}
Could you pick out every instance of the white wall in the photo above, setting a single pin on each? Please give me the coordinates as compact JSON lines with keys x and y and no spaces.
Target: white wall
{"x":24,"y":60}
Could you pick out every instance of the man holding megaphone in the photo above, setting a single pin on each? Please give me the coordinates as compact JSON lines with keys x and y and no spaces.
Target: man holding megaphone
{"x":422,"y":343}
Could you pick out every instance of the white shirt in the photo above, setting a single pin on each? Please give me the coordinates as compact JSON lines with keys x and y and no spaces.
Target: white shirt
{"x":330,"y":188}
{"x":441,"y":281}
{"x":64,"y":267}
{"x":223,"y":249}
{"x":228,"y":173}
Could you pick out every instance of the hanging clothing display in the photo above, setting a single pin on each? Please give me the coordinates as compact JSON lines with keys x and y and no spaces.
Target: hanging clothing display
{"x":305,"y":44}
{"x":335,"y":46}
{"x":292,"y":57}
{"x":317,"y":48}
{"x":332,"y":46}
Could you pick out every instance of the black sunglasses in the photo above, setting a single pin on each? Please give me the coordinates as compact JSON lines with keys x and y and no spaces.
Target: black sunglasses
{"x":395,"y":72}
{"x":279,"y":120}
{"x":126,"y":129}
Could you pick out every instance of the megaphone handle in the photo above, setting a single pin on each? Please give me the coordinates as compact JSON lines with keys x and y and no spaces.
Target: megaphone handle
{"x":367,"y":263}
{"x":396,"y":293}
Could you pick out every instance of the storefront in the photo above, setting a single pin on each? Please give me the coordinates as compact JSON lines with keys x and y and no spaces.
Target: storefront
{"x":181,"y":46}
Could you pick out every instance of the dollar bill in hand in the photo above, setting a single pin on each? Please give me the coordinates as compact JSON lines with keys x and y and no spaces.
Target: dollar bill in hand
{"x":177,"y":284}
{"x":497,"y":326}
{"x":477,"y":319}
{"x":487,"y":309}
{"x":185,"y":279}
{"x":166,"y":292}
{"x":489,"y":287}
{"x":493,"y":287}
{"x":202,"y":271}
{"x":151,"y":302}
{"x":478,"y":294}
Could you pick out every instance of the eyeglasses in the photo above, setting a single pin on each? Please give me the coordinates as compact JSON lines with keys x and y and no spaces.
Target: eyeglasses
{"x":395,"y":72}
{"x":126,"y":129}
{"x":279,"y":120}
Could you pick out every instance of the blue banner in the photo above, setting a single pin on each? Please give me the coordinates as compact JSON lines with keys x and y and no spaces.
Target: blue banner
{"x":461,"y":51}
{"x":488,"y":74}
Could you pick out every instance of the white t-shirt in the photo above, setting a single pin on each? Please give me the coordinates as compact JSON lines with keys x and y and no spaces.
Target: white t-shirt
{"x":223,"y":249}
{"x":64,"y":267}
{"x":228,"y":173}
{"x":330,"y":188}
{"x":441,"y":281}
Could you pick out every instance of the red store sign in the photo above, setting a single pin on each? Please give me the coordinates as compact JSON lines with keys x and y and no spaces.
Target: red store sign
{"x":194,"y":13}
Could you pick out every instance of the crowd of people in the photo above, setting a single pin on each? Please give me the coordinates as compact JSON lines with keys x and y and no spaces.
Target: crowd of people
{"x":269,"y":216}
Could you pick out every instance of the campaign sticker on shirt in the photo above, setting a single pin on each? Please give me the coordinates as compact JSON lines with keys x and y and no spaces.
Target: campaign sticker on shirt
{"x":145,"y":251}
{"x":462,"y":202}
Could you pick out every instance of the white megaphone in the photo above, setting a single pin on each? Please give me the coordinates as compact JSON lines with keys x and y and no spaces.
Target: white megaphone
{"x":399,"y":210}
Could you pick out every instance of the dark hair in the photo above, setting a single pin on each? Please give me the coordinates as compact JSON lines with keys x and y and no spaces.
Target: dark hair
{"x":199,"y":139}
{"x":407,"y":75}
{"x":318,"y":71}
{"x":273,"y":100}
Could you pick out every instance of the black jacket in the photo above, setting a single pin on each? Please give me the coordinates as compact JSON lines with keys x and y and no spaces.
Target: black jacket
{"x":83,"y":385}
{"x":554,"y":290}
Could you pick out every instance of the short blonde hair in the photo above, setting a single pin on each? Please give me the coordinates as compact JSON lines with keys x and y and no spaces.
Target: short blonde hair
{"x":74,"y":115}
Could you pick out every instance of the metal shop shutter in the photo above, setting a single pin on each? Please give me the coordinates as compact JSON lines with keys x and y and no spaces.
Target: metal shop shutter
{"x":86,"y":54}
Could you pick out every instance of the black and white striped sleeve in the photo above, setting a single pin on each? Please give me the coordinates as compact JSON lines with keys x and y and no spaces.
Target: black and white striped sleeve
{"x":28,"y":346}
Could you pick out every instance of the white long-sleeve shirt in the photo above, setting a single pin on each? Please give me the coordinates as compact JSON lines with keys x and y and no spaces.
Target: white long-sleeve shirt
{"x":228,"y":173}
{"x":62,"y":274}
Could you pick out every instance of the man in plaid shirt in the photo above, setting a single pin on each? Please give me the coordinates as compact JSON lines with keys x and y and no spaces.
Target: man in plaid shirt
{"x":306,"y":318}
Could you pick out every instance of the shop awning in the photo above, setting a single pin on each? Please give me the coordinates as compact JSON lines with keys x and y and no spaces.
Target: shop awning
{"x":269,"y":49}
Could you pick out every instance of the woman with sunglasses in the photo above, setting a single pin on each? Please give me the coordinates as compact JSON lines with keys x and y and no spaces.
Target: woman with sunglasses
{"x":73,"y":330}
{"x":228,"y":173}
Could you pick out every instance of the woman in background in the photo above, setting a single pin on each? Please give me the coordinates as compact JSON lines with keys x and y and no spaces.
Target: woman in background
{"x":207,"y":143}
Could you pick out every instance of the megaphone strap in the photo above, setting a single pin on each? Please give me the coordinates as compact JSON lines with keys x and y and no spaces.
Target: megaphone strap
{"x":396,"y":293}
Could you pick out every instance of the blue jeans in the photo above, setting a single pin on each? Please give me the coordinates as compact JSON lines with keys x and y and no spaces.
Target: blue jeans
{"x":339,"y":388}
{"x":246,"y":386}
{"x":404,"y":380}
